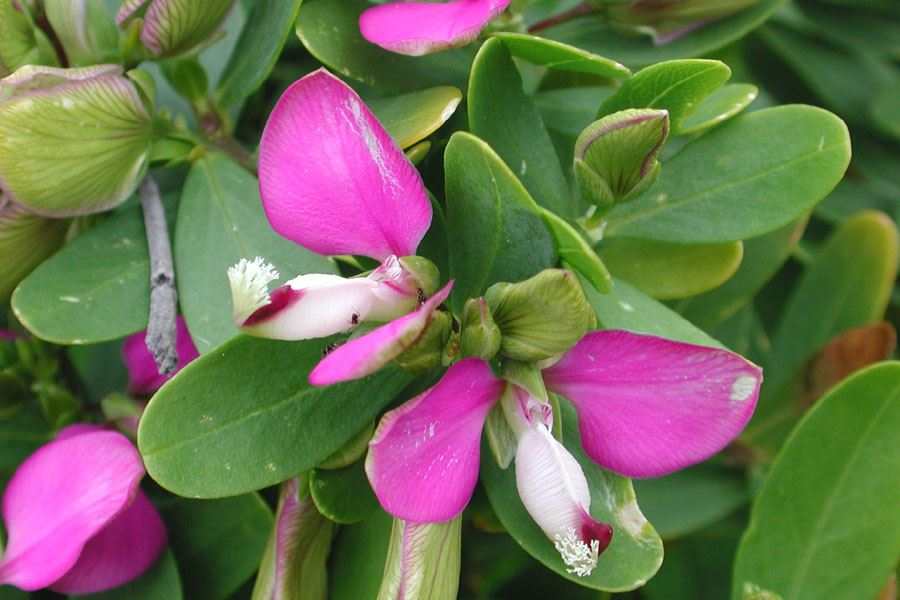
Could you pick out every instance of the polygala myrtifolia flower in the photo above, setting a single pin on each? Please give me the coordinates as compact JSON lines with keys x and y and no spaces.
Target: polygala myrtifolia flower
{"x":332,"y":180}
{"x":668,"y":20}
{"x":647,"y":407}
{"x":85,"y":29}
{"x":417,"y":28}
{"x":172,"y":27}
{"x":77,"y":519}
{"x":616,"y":157}
{"x":72,"y":141}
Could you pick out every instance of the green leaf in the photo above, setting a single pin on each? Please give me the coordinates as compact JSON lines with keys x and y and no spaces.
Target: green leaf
{"x":218,"y":543}
{"x":724,"y":103}
{"x":576,"y":252}
{"x":754,"y":174}
{"x":886,"y":110}
{"x":262,"y":38}
{"x":677,"y":86}
{"x":848,"y":285}
{"x":682,"y":503}
{"x":825,"y":523}
{"x":502,"y":115}
{"x":562,"y":57}
{"x":636,"y":550}
{"x":594,"y":35}
{"x":21,"y":433}
{"x":412,"y":117}
{"x":160,"y":582}
{"x":763,"y":256}
{"x":493,"y":222}
{"x":97,"y":288}
{"x":245,"y":417}
{"x":343,"y":495}
{"x":665,"y":270}
{"x":330,"y":31}
{"x":358,"y":558}
{"x":220,"y":221}
{"x":625,"y":307}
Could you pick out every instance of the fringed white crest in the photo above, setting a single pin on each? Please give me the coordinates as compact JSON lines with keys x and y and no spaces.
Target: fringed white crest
{"x":580,"y":558}
{"x":250,"y":281}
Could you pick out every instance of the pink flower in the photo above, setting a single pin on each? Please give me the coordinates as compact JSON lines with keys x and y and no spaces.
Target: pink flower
{"x":143,"y":375}
{"x":78,"y":522}
{"x":332,"y":180}
{"x":647,"y":407}
{"x":418,"y":28}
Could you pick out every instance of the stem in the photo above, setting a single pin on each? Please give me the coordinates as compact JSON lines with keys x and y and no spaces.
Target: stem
{"x":161,"y":332}
{"x":582,"y":9}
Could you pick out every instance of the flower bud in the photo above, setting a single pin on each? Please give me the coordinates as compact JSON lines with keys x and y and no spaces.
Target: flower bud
{"x":85,"y":29}
{"x":293,"y":566}
{"x":21,"y":42}
{"x":542,"y":316}
{"x":423,"y":561}
{"x":480,"y":336}
{"x":72,"y":141}
{"x":25,"y":241}
{"x":667,"y":21}
{"x":428,"y":351}
{"x":616,"y":157}
{"x":171,"y":27}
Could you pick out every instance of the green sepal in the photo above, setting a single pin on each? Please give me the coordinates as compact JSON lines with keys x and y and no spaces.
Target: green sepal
{"x":86,"y":30}
{"x":425,"y":272}
{"x":423,"y":561}
{"x":479,"y":335}
{"x":25,"y":241}
{"x":428,"y":350}
{"x":540,"y":317}
{"x":616,"y":156}
{"x":293,"y":566}
{"x":21,"y":42}
{"x":188,"y":77}
{"x":576,"y":252}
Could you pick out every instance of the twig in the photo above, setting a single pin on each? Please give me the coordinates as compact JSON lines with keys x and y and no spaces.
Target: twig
{"x":580,"y":10}
{"x":161,"y":332}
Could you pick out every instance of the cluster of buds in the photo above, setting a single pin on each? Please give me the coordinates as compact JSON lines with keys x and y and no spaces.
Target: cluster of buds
{"x":321,"y":146}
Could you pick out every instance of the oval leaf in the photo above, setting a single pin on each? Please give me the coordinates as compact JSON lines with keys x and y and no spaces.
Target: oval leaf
{"x":245,"y":417}
{"x":822,"y":503}
{"x":343,"y":495}
{"x":412,"y":117}
{"x":562,"y":57}
{"x":724,"y":103}
{"x":753,"y":174}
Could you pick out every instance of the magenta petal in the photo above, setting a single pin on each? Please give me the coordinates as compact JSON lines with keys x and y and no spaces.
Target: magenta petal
{"x":333,"y":180}
{"x":649,"y":406}
{"x":423,"y":459}
{"x":8,"y":335}
{"x":143,"y":376}
{"x":61,"y":497}
{"x":417,"y":28}
{"x":120,"y":552}
{"x":368,"y":353}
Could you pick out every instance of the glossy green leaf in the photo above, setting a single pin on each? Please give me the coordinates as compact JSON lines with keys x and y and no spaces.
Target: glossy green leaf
{"x":220,"y":221}
{"x":724,"y":103}
{"x":562,"y":57}
{"x":95,"y":289}
{"x":21,"y":433}
{"x":358,"y":558}
{"x":886,"y":110}
{"x":682,"y":503}
{"x":754,"y":174}
{"x":575,"y":251}
{"x":636,"y":550}
{"x":626,"y":307}
{"x":825,"y":523}
{"x":268,"y":26}
{"x":412,"y":117}
{"x":763,"y":256}
{"x":594,"y":35}
{"x":245,"y":417}
{"x":678,"y":86}
{"x":330,"y":31}
{"x":502,"y":115}
{"x":160,"y":582}
{"x":218,"y":543}
{"x":343,"y":495}
{"x":848,"y":285}
{"x":665,"y":270}
{"x":493,"y":222}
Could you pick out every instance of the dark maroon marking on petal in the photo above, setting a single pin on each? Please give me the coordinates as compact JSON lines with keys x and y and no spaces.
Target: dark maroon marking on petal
{"x":596,"y":530}
{"x":280,"y":299}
